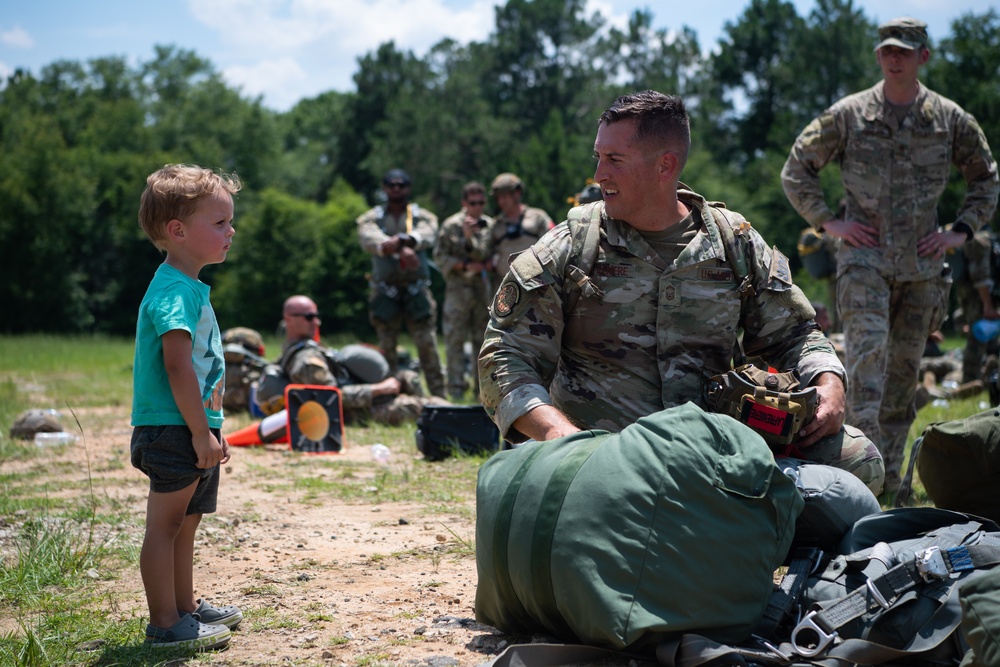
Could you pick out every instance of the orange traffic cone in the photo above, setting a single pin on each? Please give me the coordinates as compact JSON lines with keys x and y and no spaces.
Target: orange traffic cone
{"x":268,"y":430}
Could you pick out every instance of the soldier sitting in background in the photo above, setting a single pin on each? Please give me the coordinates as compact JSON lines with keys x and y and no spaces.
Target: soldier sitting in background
{"x":243,"y":349}
{"x":367,"y":389}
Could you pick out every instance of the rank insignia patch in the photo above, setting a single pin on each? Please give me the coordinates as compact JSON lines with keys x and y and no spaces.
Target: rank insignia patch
{"x":506,"y":298}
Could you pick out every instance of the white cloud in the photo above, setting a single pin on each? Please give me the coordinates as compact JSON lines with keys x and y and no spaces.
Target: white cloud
{"x":281,"y":80}
{"x":17,"y":37}
{"x":341,"y":26}
{"x":300,"y":48}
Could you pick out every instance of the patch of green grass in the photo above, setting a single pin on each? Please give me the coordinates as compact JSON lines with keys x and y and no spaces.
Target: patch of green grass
{"x":67,"y":371}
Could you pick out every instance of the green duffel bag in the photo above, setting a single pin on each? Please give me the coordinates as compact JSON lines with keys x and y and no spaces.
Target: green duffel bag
{"x":958,"y":463}
{"x":674,"y":525}
{"x":980,"y":600}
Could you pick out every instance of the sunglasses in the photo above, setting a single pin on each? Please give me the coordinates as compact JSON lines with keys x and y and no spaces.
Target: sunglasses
{"x":478,"y":202}
{"x":397,"y":184}
{"x":307,"y":316}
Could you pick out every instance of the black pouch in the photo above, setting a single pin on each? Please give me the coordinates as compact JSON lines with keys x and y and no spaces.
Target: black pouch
{"x":443,"y":430}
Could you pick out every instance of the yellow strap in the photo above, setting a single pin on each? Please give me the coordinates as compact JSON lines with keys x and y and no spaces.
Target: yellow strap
{"x":409,"y":218}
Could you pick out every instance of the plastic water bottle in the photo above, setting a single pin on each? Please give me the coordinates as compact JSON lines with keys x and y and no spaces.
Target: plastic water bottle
{"x":380,"y":453}
{"x":986,"y":330}
{"x":50,"y":439}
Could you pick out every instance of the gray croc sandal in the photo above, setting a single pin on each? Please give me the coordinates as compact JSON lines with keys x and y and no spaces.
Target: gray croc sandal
{"x":229,"y":616}
{"x":188,"y":634}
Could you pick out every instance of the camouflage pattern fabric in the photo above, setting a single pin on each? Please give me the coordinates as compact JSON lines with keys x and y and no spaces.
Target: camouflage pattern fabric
{"x":870,"y":145}
{"x":406,"y":292}
{"x":377,"y":225}
{"x":653,"y":335}
{"x":886,"y":326}
{"x":424,"y":339}
{"x":309,"y":365}
{"x":243,"y":349}
{"x":889,"y":298}
{"x":512,"y":235}
{"x":977,"y":259}
{"x":466,"y":294}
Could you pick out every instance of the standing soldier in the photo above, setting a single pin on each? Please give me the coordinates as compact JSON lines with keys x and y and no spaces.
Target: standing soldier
{"x":463,"y":252}
{"x":974,"y":289}
{"x":894,"y":143}
{"x":518,"y":225}
{"x":398,"y":236}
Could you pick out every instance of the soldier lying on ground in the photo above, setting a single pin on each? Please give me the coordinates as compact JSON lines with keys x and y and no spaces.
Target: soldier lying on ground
{"x":368,"y":390}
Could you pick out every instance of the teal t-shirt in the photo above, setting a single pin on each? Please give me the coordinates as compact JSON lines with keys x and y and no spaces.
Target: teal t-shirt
{"x":175,"y":301}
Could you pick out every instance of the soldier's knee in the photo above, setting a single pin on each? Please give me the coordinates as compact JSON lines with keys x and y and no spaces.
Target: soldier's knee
{"x":872,"y":473}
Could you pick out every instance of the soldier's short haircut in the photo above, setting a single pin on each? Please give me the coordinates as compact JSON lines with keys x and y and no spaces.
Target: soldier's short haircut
{"x":174,"y":192}
{"x":473,"y":188}
{"x":660,"y":118}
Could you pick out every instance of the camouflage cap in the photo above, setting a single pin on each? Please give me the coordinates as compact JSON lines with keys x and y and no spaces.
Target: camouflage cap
{"x":904,"y":32}
{"x":506,"y":182}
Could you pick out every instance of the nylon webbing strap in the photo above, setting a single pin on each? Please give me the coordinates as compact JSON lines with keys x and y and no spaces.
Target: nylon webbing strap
{"x":501,"y":535}
{"x":782,"y":600}
{"x":932,"y":564}
{"x":545,"y":525}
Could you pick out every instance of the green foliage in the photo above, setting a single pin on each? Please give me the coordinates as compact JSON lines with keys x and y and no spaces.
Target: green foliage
{"x":78,"y":140}
{"x":66,"y":372}
{"x":288,"y":246}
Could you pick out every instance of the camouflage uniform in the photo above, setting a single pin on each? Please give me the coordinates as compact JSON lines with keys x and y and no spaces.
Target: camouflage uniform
{"x":466,"y":295}
{"x":889,"y":298}
{"x":976,"y":274}
{"x":309,"y":364}
{"x":653,"y":334}
{"x":512,"y":235}
{"x":399,"y":295}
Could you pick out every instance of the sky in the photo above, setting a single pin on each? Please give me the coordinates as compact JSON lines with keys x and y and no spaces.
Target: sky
{"x":288,"y":50}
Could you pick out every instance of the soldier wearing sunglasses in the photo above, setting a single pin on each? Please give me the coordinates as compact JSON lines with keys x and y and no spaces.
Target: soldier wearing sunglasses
{"x":398,"y":236}
{"x":463,"y":252}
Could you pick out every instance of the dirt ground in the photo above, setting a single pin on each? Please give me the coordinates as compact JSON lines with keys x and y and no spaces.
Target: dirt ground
{"x":320,"y":582}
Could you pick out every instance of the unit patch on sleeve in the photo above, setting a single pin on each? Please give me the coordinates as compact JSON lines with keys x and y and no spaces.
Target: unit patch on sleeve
{"x":507,"y":297}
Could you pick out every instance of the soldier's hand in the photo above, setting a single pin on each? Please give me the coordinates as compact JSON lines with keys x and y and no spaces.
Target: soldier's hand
{"x":545,"y":423}
{"x":390,"y":246}
{"x":387,"y":387}
{"x":937,"y":243}
{"x":469,"y":226}
{"x":829,"y":415}
{"x":408,"y":259}
{"x":858,"y":235}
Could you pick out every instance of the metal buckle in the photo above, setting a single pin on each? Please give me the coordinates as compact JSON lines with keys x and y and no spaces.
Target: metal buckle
{"x":823,"y":638}
{"x":930,"y":564}
{"x":882,"y":602}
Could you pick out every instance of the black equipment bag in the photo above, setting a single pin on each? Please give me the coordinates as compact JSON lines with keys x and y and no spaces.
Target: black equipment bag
{"x":445,"y":429}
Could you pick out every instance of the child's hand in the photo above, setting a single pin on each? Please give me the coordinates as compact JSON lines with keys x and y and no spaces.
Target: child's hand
{"x":226,"y":452}
{"x":208,"y":449}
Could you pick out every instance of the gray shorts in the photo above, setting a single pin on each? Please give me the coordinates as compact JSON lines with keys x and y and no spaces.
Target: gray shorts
{"x":165,"y":454}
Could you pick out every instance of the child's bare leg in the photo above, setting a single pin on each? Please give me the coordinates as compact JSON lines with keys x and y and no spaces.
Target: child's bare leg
{"x":165,"y":517}
{"x":184,"y":564}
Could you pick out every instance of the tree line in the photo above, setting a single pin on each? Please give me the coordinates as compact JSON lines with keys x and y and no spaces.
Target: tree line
{"x":78,"y":139}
